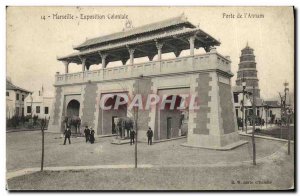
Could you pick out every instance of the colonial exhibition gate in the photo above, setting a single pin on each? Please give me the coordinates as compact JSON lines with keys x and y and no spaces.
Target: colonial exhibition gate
{"x":205,"y":75}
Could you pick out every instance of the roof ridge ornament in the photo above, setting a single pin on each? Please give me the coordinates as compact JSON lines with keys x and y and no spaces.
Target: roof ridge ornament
{"x":183,"y":16}
{"x":128,"y":25}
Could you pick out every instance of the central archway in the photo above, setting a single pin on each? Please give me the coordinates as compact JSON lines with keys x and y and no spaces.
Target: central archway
{"x":108,"y":118}
{"x":172,"y":117}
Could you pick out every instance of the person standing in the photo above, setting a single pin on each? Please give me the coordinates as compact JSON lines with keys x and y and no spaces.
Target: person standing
{"x":132,"y":136}
{"x":92,"y":137}
{"x":149,"y":135}
{"x":67,"y":134}
{"x":87,"y":134}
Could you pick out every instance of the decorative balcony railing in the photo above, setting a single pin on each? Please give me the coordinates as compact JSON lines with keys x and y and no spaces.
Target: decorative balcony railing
{"x":169,"y":66}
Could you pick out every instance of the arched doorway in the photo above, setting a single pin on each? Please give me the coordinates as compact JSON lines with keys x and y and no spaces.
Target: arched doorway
{"x":73,"y":108}
{"x":73,"y":113}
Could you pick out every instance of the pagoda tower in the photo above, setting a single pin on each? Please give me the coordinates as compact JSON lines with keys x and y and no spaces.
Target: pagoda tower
{"x":247,"y":71}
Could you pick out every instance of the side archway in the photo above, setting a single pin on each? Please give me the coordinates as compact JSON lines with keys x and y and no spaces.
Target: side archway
{"x":72,"y":112}
{"x":73,"y":108}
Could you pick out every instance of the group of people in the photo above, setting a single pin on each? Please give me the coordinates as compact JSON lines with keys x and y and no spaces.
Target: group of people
{"x":149,"y":136}
{"x":89,"y":134}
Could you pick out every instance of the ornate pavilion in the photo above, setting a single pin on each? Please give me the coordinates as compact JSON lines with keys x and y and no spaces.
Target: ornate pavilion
{"x":173,"y":35}
{"x":206,"y":75}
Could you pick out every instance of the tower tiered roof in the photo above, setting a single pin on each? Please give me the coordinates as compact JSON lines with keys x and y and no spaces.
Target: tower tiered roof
{"x":247,"y":70}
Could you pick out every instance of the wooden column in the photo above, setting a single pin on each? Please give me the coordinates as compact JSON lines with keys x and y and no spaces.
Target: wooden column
{"x":66,"y":63}
{"x":103,"y":59}
{"x":83,"y":61}
{"x":159,"y":50}
{"x":192,"y":45}
{"x":131,"y":54}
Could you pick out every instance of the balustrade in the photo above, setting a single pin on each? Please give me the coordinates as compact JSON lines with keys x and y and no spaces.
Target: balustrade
{"x":166,"y":66}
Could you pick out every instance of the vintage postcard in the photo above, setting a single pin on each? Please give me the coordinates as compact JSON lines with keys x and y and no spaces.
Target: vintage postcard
{"x":150,"y":98}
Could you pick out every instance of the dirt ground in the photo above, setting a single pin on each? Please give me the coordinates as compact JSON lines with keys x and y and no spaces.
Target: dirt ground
{"x":175,"y":167}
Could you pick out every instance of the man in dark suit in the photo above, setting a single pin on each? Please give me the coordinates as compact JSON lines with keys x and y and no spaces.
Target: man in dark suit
{"x":132,"y":136}
{"x":87,"y":134}
{"x":149,"y":135}
{"x":67,"y":134}
{"x":92,"y":135}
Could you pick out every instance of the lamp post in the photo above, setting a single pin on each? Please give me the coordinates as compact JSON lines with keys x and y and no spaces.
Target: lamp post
{"x":253,"y":125}
{"x":31,"y":100}
{"x":246,"y":117}
{"x":289,"y":134}
{"x":266,"y":110}
{"x":281,"y":114}
{"x":136,"y":132}
{"x":136,"y":122}
{"x":286,"y":115}
{"x":243,"y":103}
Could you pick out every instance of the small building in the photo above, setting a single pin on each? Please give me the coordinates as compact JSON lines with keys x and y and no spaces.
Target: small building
{"x":39,"y":103}
{"x":248,"y":110}
{"x":268,"y":110}
{"x":273,"y":111}
{"x":15,"y":97}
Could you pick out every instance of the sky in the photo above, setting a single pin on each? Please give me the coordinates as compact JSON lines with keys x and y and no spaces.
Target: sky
{"x":33,"y":43}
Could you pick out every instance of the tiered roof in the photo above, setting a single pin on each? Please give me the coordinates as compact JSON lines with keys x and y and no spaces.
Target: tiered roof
{"x":149,"y":28}
{"x":174,"y":33}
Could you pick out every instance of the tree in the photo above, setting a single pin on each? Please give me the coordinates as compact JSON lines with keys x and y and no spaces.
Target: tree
{"x":285,"y":115}
{"x":35,"y":118}
{"x":15,"y":121}
{"x":289,"y":114}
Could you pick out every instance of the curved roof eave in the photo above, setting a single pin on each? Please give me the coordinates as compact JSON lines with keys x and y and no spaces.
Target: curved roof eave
{"x":137,"y":41}
{"x":136,"y":31}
